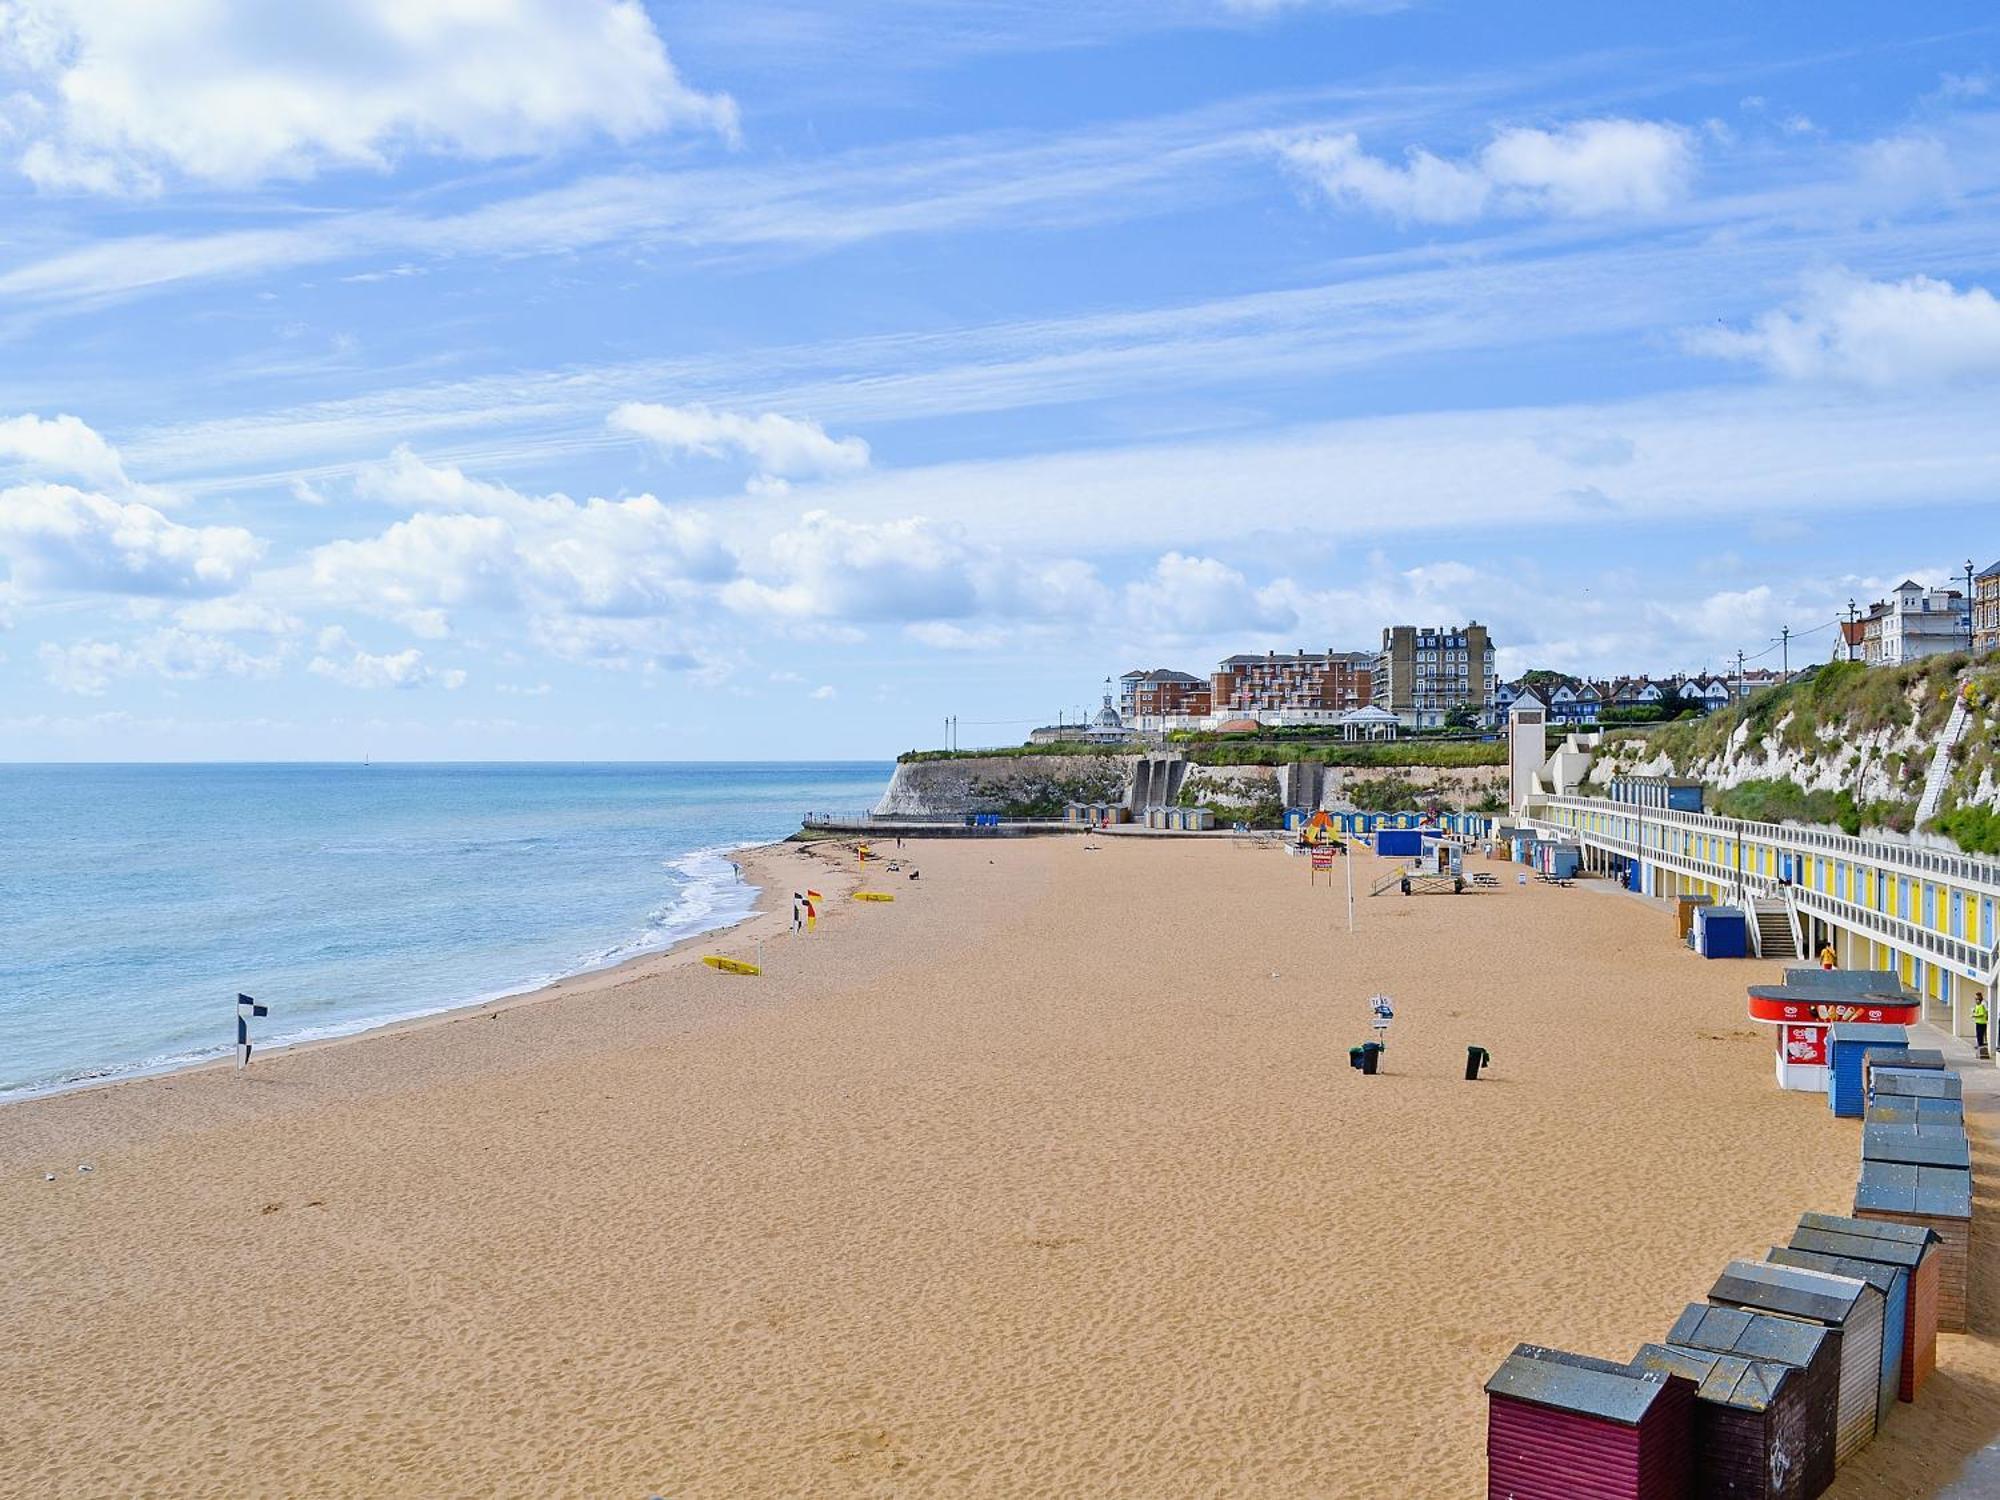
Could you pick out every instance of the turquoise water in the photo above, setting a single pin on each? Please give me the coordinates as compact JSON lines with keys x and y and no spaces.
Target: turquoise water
{"x":136,"y":901}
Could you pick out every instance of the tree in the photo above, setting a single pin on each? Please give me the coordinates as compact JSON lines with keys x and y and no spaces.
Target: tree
{"x":1461,"y":717}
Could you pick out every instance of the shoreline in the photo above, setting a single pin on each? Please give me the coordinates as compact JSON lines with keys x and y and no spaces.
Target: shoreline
{"x":748,"y":861}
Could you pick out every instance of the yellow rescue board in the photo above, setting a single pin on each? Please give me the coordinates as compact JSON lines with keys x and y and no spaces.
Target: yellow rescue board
{"x":873,"y":896}
{"x":730,"y":965}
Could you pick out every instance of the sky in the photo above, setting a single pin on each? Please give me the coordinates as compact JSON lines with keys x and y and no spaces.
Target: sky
{"x":589,"y":379}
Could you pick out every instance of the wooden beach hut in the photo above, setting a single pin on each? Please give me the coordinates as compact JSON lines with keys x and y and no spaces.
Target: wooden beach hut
{"x":1563,"y":1426}
{"x":1894,"y":1285}
{"x":1810,"y":1349}
{"x":1915,"y":1251}
{"x":1850,"y":1042}
{"x":1934,"y":1198}
{"x":1850,"y":1307}
{"x":1752,"y":1432}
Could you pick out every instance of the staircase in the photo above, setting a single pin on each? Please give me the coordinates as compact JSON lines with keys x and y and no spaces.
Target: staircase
{"x":1775,"y":938}
{"x":1940,"y":772}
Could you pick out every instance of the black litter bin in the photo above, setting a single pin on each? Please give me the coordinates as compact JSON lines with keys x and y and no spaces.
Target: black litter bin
{"x":1371,"y":1056}
{"x":1475,"y":1059}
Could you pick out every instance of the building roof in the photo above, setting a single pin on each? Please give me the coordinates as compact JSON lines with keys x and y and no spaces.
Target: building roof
{"x":1160,"y":674}
{"x":1787,"y":1291}
{"x":1988,"y":572}
{"x":1575,"y":1382}
{"x":1369,"y":715}
{"x":1725,"y":1379}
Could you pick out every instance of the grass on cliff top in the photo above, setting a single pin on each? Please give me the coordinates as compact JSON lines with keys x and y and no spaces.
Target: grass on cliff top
{"x":1247,"y":751}
{"x":1841,"y":700}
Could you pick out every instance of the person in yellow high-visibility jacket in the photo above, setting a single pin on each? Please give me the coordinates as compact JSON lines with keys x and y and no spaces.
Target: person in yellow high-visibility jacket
{"x":1979,"y":1021}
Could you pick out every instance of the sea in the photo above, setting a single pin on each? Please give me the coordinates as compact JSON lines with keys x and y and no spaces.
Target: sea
{"x":138,"y":901}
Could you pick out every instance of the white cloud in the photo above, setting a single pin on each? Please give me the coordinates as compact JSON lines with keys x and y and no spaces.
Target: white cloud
{"x":237,"y":615}
{"x":131,"y":95}
{"x":1587,"y":169}
{"x":1871,"y":333}
{"x":1199,"y":596}
{"x":824,"y":693}
{"x":59,"y":538}
{"x":477,"y":544}
{"x":61,"y":447}
{"x":340,"y":660}
{"x":88,"y":667}
{"x":779,"y":448}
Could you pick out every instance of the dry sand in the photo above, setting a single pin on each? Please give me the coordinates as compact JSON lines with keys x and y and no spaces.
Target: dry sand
{"x":1050,"y":1178}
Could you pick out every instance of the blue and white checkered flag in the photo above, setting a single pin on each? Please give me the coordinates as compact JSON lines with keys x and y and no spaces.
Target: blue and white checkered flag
{"x":245,"y":1009}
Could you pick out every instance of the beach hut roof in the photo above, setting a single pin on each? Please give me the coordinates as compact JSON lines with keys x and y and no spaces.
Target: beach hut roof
{"x":1918,"y":1083}
{"x":1868,"y":1031}
{"x":1928,"y":1058}
{"x":1736,"y":1330}
{"x":1877,"y":1275}
{"x":1726,"y":1379}
{"x":1788,"y":1291}
{"x":1938,"y":1144}
{"x":1578,"y":1383}
{"x":1835,"y":1234}
{"x":1898,"y":1187}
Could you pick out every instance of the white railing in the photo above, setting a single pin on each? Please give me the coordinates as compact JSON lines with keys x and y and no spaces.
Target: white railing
{"x":1974,"y":880}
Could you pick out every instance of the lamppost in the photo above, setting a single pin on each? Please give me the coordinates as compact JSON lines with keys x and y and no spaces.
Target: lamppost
{"x":1853,"y":645}
{"x":1969,"y":636}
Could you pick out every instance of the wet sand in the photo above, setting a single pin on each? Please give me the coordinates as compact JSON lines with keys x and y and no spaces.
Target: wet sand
{"x":1048,"y":1178}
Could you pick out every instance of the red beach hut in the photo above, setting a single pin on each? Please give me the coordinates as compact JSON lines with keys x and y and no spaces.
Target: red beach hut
{"x":1566,"y":1426}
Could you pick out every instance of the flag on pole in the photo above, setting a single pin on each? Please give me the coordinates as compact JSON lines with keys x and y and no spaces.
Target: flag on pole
{"x":813,"y":898}
{"x":245,"y":1009}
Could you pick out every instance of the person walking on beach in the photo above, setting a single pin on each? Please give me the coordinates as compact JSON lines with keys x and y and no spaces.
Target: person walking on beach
{"x":1826,"y":954}
{"x":1979,"y":1021}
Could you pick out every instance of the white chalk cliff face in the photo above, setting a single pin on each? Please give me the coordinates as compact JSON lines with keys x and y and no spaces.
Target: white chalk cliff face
{"x":1882,"y":763}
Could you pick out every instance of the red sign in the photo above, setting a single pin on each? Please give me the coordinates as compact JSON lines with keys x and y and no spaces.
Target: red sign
{"x":1322,"y":859}
{"x":1889,"y":1013}
{"x":1804,"y":1046}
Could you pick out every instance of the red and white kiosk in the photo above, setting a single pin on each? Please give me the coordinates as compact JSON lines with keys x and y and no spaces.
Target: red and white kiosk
{"x":1811,"y":1002}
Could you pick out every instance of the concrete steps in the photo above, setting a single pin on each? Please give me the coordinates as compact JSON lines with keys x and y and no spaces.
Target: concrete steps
{"x":1774,"y":929}
{"x":1940,"y":772}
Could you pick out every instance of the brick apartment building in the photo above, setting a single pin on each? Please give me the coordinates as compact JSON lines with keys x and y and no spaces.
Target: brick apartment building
{"x":1147,"y":694}
{"x":1329,"y":680}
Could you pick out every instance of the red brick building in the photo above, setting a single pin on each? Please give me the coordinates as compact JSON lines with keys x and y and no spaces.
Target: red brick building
{"x":1330,"y":680}
{"x":1144,"y":694}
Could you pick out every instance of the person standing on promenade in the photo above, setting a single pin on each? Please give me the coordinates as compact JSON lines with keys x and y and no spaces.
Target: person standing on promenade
{"x":1827,"y":957}
{"x":1979,"y":1021}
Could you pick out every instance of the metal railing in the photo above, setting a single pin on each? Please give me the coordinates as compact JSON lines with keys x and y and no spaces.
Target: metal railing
{"x":1976,"y":881}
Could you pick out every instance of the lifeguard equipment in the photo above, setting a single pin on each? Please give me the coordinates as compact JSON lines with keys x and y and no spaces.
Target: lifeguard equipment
{"x":730,"y":965}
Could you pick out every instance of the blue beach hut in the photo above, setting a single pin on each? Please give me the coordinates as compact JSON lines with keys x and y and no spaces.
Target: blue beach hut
{"x":1846,"y":1092}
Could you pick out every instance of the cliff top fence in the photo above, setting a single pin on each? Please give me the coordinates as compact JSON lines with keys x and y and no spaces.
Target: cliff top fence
{"x":933,"y":825}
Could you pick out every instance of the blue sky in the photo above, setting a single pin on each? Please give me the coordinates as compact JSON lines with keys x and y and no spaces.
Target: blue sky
{"x":583,"y":379}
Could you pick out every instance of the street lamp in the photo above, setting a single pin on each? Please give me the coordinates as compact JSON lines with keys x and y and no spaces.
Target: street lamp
{"x":1968,"y":607}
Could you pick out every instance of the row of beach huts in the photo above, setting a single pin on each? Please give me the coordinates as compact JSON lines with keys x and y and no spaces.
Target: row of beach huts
{"x":1794,"y":1361}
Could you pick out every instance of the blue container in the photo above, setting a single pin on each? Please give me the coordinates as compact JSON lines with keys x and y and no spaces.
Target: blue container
{"x":1635,"y":877}
{"x":1559,"y":861}
{"x":1399,"y":843}
{"x":1721,"y":932}
{"x":1850,"y":1040}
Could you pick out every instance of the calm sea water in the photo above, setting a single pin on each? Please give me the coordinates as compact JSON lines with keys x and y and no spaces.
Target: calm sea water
{"x":136,"y":901}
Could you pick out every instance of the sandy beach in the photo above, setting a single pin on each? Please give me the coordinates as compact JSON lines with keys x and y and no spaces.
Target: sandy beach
{"x":1049,"y":1178}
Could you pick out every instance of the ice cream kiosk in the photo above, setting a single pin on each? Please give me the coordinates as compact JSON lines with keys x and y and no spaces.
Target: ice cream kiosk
{"x":1803,"y":1010}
